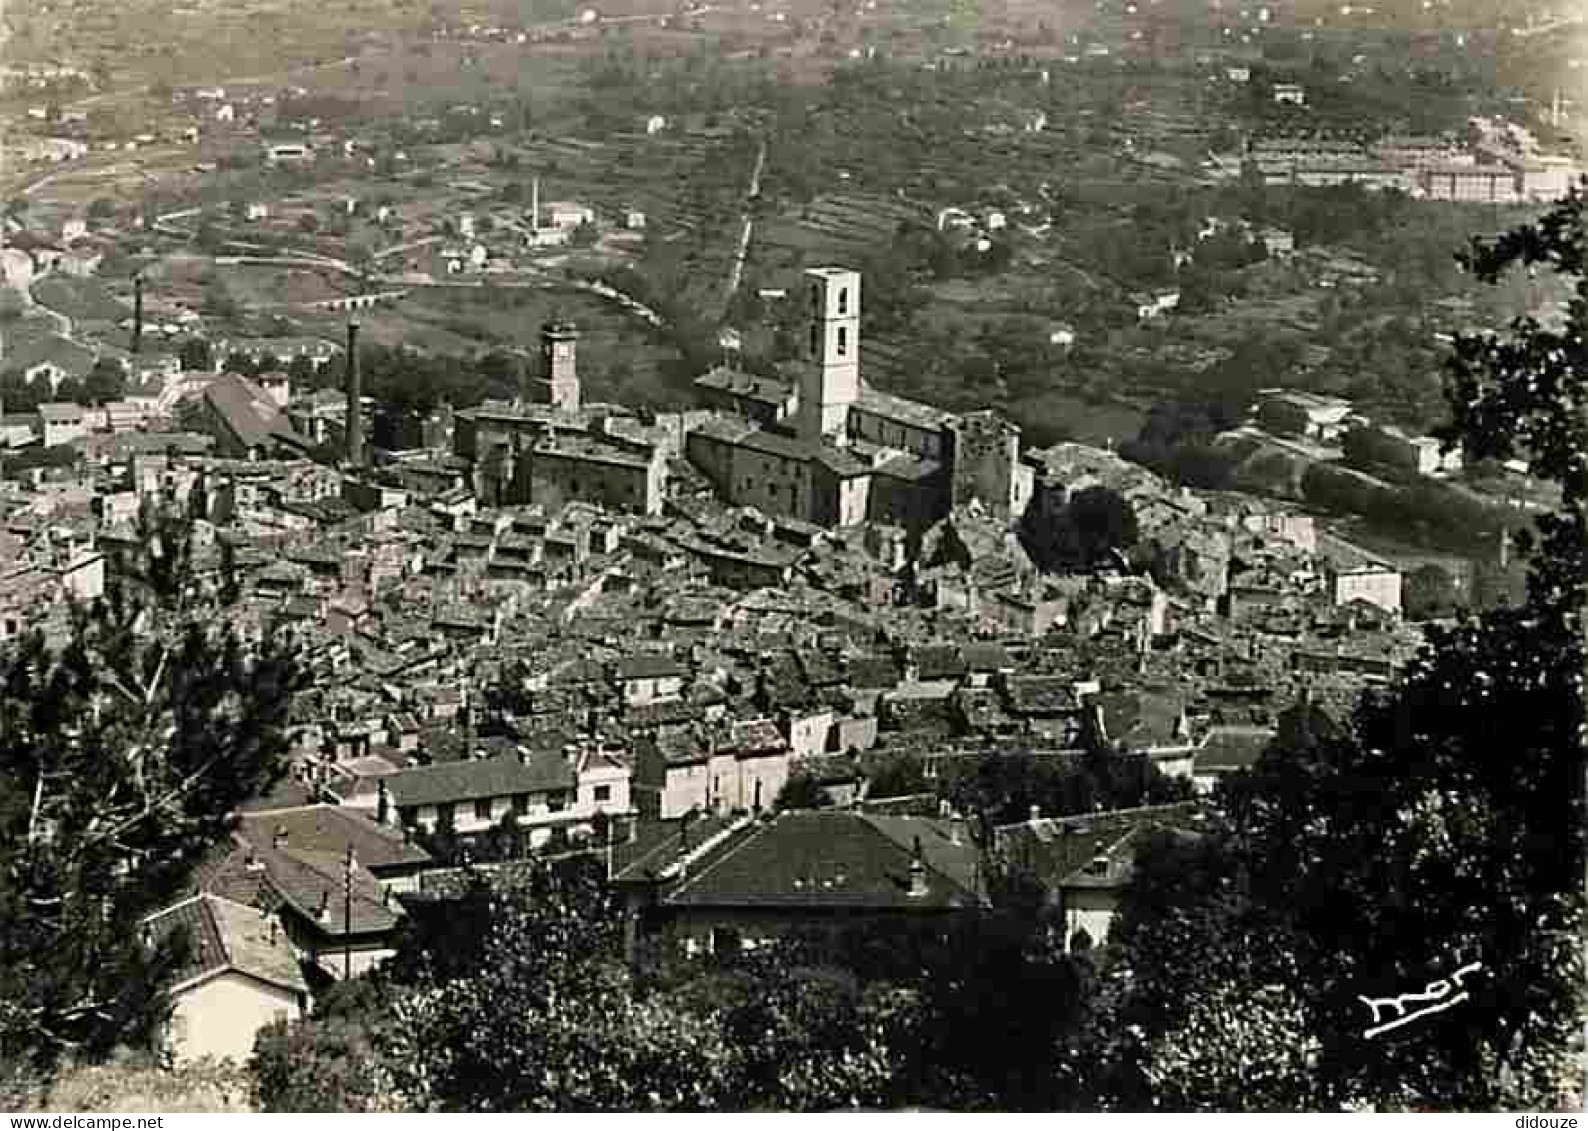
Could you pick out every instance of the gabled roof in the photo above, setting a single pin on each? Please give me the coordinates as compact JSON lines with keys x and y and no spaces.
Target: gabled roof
{"x":938,"y":661}
{"x":261,"y":875}
{"x":248,"y":412}
{"x":679,"y":745}
{"x":1229,"y":748}
{"x":1042,"y":695}
{"x":1140,"y":718}
{"x":986,"y":657}
{"x":833,"y":860}
{"x":751,"y":737}
{"x":875,"y":671}
{"x":650,"y":665}
{"x":1060,"y":849}
{"x":224,"y":936}
{"x":767,"y":390}
{"x":657,"y":844}
{"x":900,"y":409}
{"x":328,"y":830}
{"x":502,"y":776}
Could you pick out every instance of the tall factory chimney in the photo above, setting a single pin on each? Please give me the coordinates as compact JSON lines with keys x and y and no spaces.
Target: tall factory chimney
{"x":355,"y":400}
{"x":137,"y":312}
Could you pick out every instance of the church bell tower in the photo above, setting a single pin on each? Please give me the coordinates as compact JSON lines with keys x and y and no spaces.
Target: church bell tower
{"x":830,"y":383}
{"x":559,"y":374}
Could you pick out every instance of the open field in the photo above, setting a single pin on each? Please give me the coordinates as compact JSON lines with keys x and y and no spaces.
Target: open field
{"x":835,"y":226}
{"x":81,"y":300}
{"x":422,"y":75}
{"x":620,"y":358}
{"x":260,"y":287}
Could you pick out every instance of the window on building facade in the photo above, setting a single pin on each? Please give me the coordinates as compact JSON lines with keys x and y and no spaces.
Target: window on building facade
{"x":482,"y":809}
{"x":603,"y":793}
{"x":843,"y":341}
{"x":556,"y":802}
{"x":520,"y":803}
{"x":843,"y":300}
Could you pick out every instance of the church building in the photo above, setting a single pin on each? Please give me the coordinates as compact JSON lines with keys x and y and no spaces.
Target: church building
{"x":548,"y":447}
{"x":833,"y":451}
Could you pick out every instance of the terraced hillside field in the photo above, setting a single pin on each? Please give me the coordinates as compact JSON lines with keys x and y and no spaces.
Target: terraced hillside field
{"x":838,"y":226}
{"x":690,"y":186}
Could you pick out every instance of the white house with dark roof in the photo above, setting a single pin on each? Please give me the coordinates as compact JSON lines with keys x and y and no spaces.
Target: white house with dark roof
{"x":1085,"y":862}
{"x":737,"y":767}
{"x":63,"y":422}
{"x":651,"y":677}
{"x":755,"y":880}
{"x":389,"y":855}
{"x":241,"y":974}
{"x":542,"y":790}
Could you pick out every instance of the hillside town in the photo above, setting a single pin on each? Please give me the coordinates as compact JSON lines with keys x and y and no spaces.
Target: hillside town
{"x":777,"y":555}
{"x":600,"y":623}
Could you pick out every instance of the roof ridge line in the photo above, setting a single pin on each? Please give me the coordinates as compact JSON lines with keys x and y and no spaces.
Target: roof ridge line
{"x":870,"y":820}
{"x":711,"y":842}
{"x":170,"y":907}
{"x":220,"y":934}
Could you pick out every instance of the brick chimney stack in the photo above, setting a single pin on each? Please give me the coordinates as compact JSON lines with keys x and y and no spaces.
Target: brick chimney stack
{"x":355,"y":400}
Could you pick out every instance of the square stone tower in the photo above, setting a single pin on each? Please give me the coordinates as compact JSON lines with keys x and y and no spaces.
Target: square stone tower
{"x":559,"y":374}
{"x":830,"y":381}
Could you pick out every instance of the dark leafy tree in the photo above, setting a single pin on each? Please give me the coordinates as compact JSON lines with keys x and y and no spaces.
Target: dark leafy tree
{"x":1004,"y":787}
{"x":899,"y":775}
{"x":1388,"y":854}
{"x":240,"y":363}
{"x":1095,"y":524}
{"x":802,"y":790}
{"x":123,"y":753}
{"x":1191,"y":932}
{"x":195,"y":355}
{"x":1430,"y":592}
{"x":21,"y":395}
{"x":107,"y":381}
{"x":59,"y":456}
{"x":804,"y":1037}
{"x":330,"y":1065}
{"x":304,"y":374}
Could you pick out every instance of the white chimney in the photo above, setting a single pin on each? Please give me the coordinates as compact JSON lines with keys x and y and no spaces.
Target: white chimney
{"x":918,"y":889}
